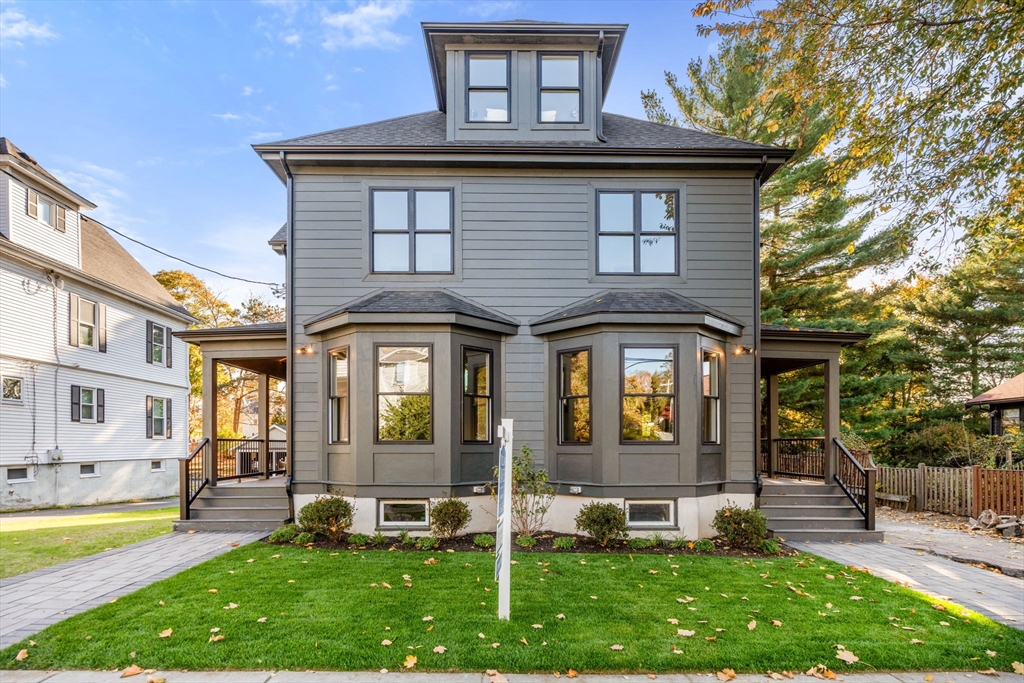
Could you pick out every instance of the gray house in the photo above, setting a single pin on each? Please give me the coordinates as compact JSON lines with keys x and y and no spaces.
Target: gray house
{"x":519,"y":253}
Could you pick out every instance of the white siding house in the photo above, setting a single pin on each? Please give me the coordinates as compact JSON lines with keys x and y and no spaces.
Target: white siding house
{"x":95,"y":387}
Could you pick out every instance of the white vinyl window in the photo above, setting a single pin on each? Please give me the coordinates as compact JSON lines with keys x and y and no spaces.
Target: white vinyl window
{"x":159,"y":343}
{"x":86,"y":323}
{"x":12,"y":389}
{"x":88,"y":469}
{"x":17,"y":474}
{"x":88,"y":404}
{"x":651,"y":513}
{"x":156,"y":465}
{"x":159,"y":418}
{"x":404,"y":513}
{"x":45,"y":211}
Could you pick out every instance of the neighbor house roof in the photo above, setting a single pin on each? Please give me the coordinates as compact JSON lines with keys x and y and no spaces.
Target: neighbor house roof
{"x":656,"y":306}
{"x":28,"y":165}
{"x":428,"y":130}
{"x":105,"y":259}
{"x":421,"y":305}
{"x":1010,"y":391}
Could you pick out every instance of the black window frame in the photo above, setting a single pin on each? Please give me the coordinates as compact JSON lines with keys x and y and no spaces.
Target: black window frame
{"x":541,"y":88}
{"x":674,"y":395}
{"x":411,"y":230}
{"x":490,"y":88}
{"x":637,"y":232}
{"x":562,"y":396}
{"x":716,"y":357}
{"x":489,"y":396}
{"x":333,"y":397}
{"x":376,"y":390}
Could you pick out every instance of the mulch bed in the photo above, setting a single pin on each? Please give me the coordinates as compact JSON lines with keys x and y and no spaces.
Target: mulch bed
{"x":545,"y":544}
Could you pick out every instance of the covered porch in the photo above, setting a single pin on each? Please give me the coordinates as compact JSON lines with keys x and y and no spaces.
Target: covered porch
{"x":258,"y":461}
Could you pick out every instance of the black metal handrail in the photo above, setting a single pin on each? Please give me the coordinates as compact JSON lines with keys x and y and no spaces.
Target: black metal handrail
{"x":192,"y":476}
{"x":802,"y":458}
{"x":856,"y":481}
{"x":277,"y":450}
{"x":240,"y":458}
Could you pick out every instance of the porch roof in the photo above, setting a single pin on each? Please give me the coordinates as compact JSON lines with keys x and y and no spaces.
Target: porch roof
{"x":812,"y":334}
{"x":785,"y":348}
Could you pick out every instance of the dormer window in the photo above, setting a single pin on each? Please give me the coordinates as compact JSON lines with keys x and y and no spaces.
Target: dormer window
{"x":560,"y":98}
{"x":488,"y":97}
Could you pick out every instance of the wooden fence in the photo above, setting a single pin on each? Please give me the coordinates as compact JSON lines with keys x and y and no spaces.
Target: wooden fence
{"x":956,"y":491}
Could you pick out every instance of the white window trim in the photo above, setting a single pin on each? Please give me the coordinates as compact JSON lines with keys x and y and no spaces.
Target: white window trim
{"x":81,"y":403}
{"x":162,"y":434}
{"x":21,"y":382}
{"x":93,"y":324}
{"x":161,"y":468}
{"x":403,"y":525}
{"x":95,"y":470}
{"x":671,"y":524}
{"x":27,"y":480}
{"x":162,"y":346}
{"x":40,"y":199}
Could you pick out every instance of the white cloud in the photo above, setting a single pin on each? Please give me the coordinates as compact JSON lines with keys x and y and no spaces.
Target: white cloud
{"x":491,"y":8}
{"x":291,"y":38}
{"x":357,"y":69}
{"x":16,"y":27}
{"x":227,"y":116}
{"x":331,"y":88}
{"x":264,"y":136}
{"x":366,"y":26}
{"x":249,"y":90}
{"x":102,"y":186}
{"x":3,"y":81}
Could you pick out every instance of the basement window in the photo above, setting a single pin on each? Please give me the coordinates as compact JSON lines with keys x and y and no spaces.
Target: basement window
{"x":650,"y":513}
{"x":17,"y":474}
{"x":404,"y":513}
{"x":156,"y":465}
{"x":88,"y":469}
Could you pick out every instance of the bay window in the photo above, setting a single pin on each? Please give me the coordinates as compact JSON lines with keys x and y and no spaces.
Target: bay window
{"x":339,"y":396}
{"x":709,"y":389}
{"x":403,"y":394}
{"x":648,"y":394}
{"x":476,"y":396}
{"x":574,"y":396}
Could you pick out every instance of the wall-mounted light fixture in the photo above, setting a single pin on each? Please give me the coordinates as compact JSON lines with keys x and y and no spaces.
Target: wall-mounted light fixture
{"x":742,"y":350}
{"x":479,"y":489}
{"x":306,"y":350}
{"x":575,"y":490}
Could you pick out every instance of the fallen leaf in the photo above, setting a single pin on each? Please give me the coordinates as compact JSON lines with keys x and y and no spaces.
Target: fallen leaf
{"x":726,"y":675}
{"x":133,"y":670}
{"x":440,"y":649}
{"x":943,"y":623}
{"x":523,"y":641}
{"x":430,"y":560}
{"x":216,"y":638}
{"x":480,"y":635}
{"x":989,"y":672}
{"x":941,"y":608}
{"x":495,"y":645}
{"x":538,"y":626}
{"x":571,"y":673}
{"x":385,"y":584}
{"x":191,"y":531}
{"x":230,"y":605}
{"x":261,"y":620}
{"x":711,"y":639}
{"x":593,"y":597}
{"x":776,"y":623}
{"x":161,"y":603}
{"x":856,"y":597}
{"x":155,"y":679}
{"x":385,"y":643}
{"x":1018,"y":667}
{"x":915,"y":641}
{"x":684,"y":633}
{"x":496,"y":677}
{"x":615,"y":647}
{"x":559,"y":616}
{"x":215,"y":629}
{"x":847,"y":656}
{"x":929,"y":678}
{"x":212,"y":590}
{"x":22,"y":655}
{"x":250,"y":560}
{"x":167,"y":633}
{"x":752,"y":625}
{"x":428,"y":618}
{"x":991,"y":653}
{"x":410,"y":661}
{"x":776,"y":677}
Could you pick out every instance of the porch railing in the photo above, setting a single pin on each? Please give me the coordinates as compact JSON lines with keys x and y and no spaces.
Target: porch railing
{"x":801,"y":458}
{"x":856,"y":481}
{"x":192,"y":476}
{"x":278,"y":452}
{"x":249,"y":458}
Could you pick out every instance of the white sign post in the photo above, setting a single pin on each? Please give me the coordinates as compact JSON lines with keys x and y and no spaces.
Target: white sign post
{"x":503,"y":554}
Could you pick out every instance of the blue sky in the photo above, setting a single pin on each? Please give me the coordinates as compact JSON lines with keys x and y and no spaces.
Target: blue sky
{"x":149,"y":108}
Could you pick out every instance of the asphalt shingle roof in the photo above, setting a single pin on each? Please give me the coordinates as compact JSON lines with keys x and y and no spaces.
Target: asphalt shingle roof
{"x":629,"y":301}
{"x":415,"y":301}
{"x":428,"y":129}
{"x":281,"y":236}
{"x":1010,"y":390}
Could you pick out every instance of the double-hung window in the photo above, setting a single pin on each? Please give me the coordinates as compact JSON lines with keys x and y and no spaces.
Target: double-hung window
{"x":488,"y":96}
{"x":403,"y":394}
{"x":339,"y":396}
{"x":574,"y":396}
{"x":709,"y":389}
{"x":88,"y":404}
{"x":476,"y":396}
{"x":86,"y":323}
{"x":158,"y":417}
{"x":46,"y":211}
{"x":560,"y":79}
{"x":637,"y":231}
{"x":158,"y":344}
{"x":648,"y":393}
{"x":412,"y":231}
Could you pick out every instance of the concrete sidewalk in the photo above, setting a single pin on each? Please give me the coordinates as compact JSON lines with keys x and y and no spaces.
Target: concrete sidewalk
{"x":997,"y":596}
{"x":31,"y":602}
{"x":414,"y":677}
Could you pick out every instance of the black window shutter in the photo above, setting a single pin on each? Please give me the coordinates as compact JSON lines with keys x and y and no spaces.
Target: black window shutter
{"x":149,"y":341}
{"x":101,"y":326}
{"x":100,"y":405}
{"x":73,"y":325}
{"x":149,"y":417}
{"x":76,"y":403}
{"x":167,"y":416}
{"x":168,"y":342}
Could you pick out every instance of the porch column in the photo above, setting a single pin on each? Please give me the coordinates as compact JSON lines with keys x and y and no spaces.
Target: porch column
{"x":773,"y":424}
{"x":210,"y":416}
{"x":831,"y":414}
{"x":263,"y":423}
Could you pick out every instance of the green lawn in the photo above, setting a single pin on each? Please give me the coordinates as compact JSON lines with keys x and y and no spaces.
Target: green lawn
{"x":321,"y":612}
{"x":33,"y":543}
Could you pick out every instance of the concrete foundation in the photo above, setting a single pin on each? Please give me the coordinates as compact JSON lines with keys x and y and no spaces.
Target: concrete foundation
{"x":65,"y":484}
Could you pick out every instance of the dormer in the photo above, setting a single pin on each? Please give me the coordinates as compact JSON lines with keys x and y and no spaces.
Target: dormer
{"x":522,"y":81}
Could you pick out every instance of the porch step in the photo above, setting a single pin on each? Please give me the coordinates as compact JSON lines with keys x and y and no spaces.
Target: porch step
{"x":243,"y":491}
{"x":204,"y":502}
{"x":799,"y":511}
{"x":773,"y":498}
{"x":777,"y":511}
{"x":831,"y":535}
{"x":260,"y":506}
{"x":225,"y":525}
{"x":249,"y":514}
{"x":783,"y":525}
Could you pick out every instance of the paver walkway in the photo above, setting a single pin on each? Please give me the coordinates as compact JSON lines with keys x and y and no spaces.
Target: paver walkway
{"x":31,"y":602}
{"x":997,"y":596}
{"x":417,"y":677}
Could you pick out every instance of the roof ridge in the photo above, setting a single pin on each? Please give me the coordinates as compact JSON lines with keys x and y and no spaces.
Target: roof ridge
{"x":691,"y":130}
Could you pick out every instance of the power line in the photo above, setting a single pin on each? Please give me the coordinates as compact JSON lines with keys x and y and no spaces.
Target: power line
{"x":273,"y":285}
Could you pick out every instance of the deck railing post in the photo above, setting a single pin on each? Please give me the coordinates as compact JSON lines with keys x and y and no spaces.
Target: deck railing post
{"x":183,"y":486}
{"x":869,"y":520}
{"x":922,"y":493}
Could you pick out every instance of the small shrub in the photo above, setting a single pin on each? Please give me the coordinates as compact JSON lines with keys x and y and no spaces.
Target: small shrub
{"x":284,"y":533}
{"x":526,"y":541}
{"x":426,"y":542}
{"x":657,"y":539}
{"x":379,"y":539}
{"x":532,"y":493}
{"x":404,"y":538}
{"x":744,"y":528}
{"x":679,"y":542}
{"x":771,"y":547}
{"x":305,"y":538}
{"x":448,"y":517}
{"x":358,"y":539}
{"x":639,"y":543}
{"x":327,"y":515}
{"x":483,"y":541}
{"x":565,"y":542}
{"x":604,"y":521}
{"x":704,"y":545}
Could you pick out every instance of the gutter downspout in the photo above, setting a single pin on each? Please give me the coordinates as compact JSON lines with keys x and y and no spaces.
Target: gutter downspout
{"x":289,"y":293}
{"x":600,"y":89}
{"x":756,"y":210}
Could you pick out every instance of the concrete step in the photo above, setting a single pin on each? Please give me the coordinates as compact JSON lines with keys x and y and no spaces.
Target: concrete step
{"x":810,"y":523}
{"x":768,"y":488}
{"x":241,"y":513}
{"x":776,"y":512}
{"x":226,"y":525}
{"x":244,"y":491}
{"x":775,"y":499}
{"x":239,"y":501}
{"x":830,"y":535}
